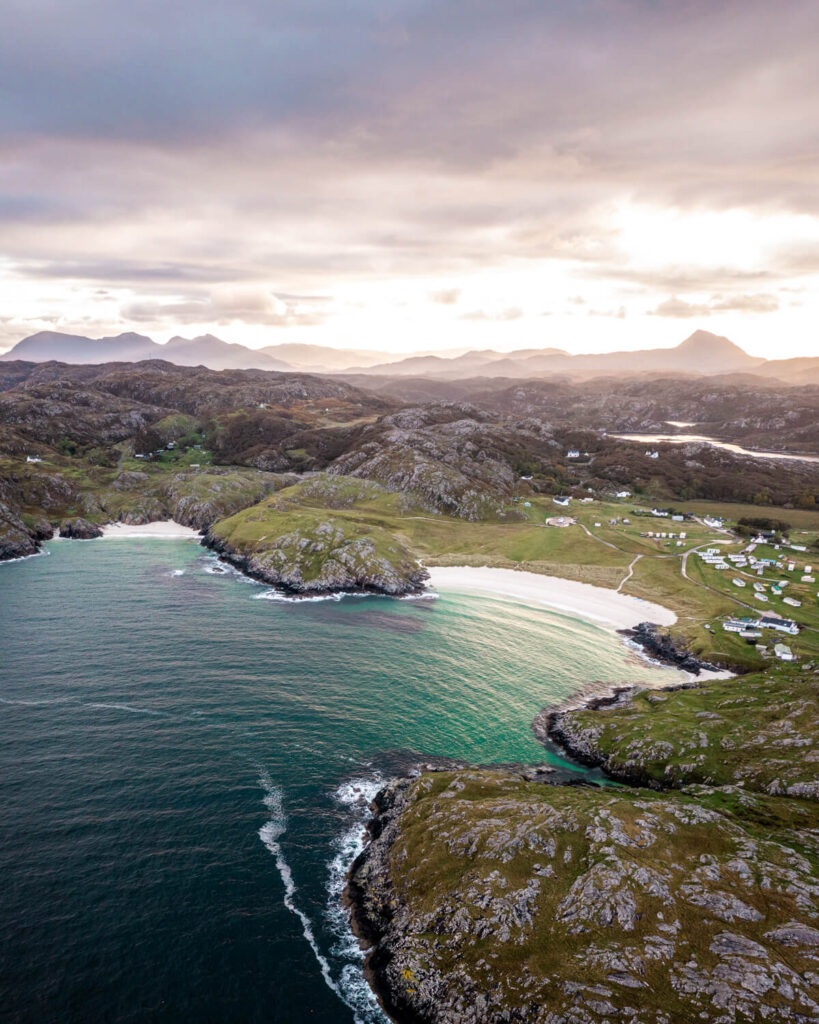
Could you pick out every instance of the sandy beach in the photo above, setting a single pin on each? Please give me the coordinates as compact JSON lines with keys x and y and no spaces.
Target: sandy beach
{"x":166,"y":530}
{"x":597,"y":605}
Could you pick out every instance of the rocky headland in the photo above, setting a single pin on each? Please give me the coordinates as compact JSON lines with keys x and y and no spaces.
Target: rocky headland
{"x":489,"y":897}
{"x":323,"y":560}
{"x":662,"y":646}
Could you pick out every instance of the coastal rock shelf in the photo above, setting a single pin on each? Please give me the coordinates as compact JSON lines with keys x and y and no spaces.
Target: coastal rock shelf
{"x":492,"y":899}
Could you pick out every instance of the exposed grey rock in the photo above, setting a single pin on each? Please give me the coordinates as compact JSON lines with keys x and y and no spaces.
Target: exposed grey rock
{"x":79,"y":529}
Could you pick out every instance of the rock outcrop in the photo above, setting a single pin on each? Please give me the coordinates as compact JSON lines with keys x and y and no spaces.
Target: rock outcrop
{"x":489,"y":900}
{"x":16,"y":539}
{"x":665,"y":648}
{"x":324,"y":559}
{"x":759,"y":731}
{"x":79,"y":529}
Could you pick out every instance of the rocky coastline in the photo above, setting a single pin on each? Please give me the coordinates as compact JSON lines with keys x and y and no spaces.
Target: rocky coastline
{"x":492,"y":895}
{"x":557,"y":728}
{"x":336,"y":578}
{"x":664,"y":648}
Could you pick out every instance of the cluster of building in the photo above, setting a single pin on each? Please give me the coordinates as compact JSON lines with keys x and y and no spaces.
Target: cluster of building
{"x":667,"y":535}
{"x":714,"y":558}
{"x":751,"y":629}
{"x":752,"y":624}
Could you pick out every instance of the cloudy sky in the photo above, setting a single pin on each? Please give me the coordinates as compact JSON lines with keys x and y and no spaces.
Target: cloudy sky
{"x":412,"y":174}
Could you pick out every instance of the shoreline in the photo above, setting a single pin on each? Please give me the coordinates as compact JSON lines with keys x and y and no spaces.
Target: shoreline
{"x":598,"y":606}
{"x":162,"y":530}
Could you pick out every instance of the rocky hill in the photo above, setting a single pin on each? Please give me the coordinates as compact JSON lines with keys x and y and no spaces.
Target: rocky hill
{"x":294,"y":541}
{"x":89,"y":427}
{"x":724,"y":734}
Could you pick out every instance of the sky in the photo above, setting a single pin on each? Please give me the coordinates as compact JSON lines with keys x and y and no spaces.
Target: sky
{"x":592,"y":175}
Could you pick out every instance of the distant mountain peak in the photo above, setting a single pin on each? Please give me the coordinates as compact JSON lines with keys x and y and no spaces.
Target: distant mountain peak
{"x":705,"y":340}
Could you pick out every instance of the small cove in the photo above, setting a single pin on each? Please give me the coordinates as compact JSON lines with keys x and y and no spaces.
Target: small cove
{"x":186,"y":771}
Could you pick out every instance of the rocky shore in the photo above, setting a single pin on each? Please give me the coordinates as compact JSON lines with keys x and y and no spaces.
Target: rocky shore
{"x":664,"y":648}
{"x":489,"y":896}
{"x":357,"y":568}
{"x":489,"y":900}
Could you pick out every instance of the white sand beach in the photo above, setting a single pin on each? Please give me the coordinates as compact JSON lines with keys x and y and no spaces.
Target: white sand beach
{"x":597,"y":605}
{"x":166,"y":530}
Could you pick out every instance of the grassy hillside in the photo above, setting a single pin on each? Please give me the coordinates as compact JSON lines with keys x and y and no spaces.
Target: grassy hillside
{"x":760,"y":732}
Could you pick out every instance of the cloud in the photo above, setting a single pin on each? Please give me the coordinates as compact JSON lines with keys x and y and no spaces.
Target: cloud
{"x":178,"y":153}
{"x":617,"y":314}
{"x":446,"y":297}
{"x":227,"y":306}
{"x":680,"y":309}
{"x":494,"y":316}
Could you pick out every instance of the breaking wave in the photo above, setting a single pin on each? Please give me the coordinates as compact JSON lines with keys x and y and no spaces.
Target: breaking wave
{"x":355,"y":796}
{"x":351,"y":987}
{"x":25,"y":558}
{"x":277,"y":595}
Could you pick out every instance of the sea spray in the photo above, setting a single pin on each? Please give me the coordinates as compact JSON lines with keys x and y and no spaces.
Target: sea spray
{"x":355,"y":797}
{"x":350,"y":989}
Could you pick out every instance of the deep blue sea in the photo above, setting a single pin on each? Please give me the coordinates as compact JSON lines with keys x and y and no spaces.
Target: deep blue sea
{"x":185,"y":766}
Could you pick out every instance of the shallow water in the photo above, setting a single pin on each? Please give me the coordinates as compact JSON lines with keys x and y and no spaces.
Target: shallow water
{"x":185,"y":772}
{"x":737,"y":449}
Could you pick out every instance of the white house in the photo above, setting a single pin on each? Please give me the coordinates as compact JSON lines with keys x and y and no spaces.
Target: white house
{"x":652,"y":455}
{"x":33,"y":458}
{"x":783,"y":652}
{"x":624,"y":494}
{"x":738,"y":583}
{"x":781,"y":625}
{"x":573,"y":453}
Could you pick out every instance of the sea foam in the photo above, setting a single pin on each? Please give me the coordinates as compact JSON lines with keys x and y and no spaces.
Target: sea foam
{"x":355,"y":796}
{"x":351,"y":987}
{"x":277,"y":595}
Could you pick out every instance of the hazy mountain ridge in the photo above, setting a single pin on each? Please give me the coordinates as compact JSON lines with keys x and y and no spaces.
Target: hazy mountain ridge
{"x":701,"y":354}
{"x":205,"y":350}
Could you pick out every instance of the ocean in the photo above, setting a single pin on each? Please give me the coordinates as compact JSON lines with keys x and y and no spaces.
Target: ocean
{"x":186,"y":761}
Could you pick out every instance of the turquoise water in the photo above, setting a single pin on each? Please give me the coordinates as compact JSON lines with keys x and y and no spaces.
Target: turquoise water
{"x":184,"y":766}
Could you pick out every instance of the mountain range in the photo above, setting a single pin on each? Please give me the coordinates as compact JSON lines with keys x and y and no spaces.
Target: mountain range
{"x":701,"y":354}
